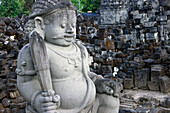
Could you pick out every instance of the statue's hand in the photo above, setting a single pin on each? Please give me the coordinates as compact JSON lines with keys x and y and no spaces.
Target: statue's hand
{"x":47,"y":103}
{"x":108,"y":86}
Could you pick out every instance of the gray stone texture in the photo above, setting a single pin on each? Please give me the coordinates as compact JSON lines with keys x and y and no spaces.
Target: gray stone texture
{"x":164,"y":83}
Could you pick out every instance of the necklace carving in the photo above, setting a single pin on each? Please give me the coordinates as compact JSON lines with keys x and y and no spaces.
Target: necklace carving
{"x":72,"y":58}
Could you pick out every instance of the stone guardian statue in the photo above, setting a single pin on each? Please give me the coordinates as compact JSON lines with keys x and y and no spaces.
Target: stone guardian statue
{"x":53,"y":69}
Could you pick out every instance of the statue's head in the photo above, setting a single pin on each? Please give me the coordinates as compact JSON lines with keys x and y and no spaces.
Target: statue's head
{"x":55,"y":21}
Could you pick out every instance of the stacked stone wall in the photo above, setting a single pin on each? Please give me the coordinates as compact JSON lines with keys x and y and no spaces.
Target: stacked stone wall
{"x":11,"y":41}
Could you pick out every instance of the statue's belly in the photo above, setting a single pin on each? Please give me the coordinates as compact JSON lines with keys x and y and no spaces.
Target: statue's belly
{"x":68,"y":80}
{"x":62,"y":68}
{"x":73,"y":91}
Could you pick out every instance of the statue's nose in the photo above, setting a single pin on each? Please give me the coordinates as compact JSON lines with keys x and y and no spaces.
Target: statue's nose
{"x":70,"y":29}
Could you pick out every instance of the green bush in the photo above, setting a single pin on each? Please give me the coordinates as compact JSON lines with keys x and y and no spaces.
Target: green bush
{"x":11,"y":8}
{"x":87,"y":5}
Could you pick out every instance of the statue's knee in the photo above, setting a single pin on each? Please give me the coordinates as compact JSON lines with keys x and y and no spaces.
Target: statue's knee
{"x":108,"y":100}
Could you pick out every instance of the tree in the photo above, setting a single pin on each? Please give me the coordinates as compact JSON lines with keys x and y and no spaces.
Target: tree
{"x":91,"y":5}
{"x":28,"y":6}
{"x":87,"y":5}
{"x":11,"y":8}
{"x":76,"y":3}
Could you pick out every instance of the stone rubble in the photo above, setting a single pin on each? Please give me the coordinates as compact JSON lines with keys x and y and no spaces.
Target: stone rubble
{"x":141,"y":62}
{"x":137,"y":45}
{"x":11,"y":41}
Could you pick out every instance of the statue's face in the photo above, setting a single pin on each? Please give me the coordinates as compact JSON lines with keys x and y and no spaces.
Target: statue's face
{"x":61,"y":30}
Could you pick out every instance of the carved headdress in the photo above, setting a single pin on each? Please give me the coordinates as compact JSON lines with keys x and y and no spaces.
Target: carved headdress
{"x":42,"y":7}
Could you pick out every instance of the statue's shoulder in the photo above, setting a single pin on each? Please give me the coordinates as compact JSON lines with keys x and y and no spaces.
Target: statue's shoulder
{"x":82,"y":48}
{"x":25,"y":51}
{"x":80,"y":45}
{"x":24,"y":57}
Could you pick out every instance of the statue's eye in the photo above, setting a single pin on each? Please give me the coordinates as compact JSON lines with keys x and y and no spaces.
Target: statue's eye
{"x":74,"y":25}
{"x":63,"y":25}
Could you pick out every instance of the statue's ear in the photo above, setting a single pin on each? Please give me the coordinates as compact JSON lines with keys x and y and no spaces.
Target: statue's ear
{"x":39,"y":23}
{"x":39,"y":26}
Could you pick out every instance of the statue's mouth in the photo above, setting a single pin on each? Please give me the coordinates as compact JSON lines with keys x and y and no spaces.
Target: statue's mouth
{"x":68,"y":38}
{"x":69,"y":35}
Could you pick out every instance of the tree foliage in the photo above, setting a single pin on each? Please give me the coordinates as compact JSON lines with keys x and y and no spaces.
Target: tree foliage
{"x":14,"y":8}
{"x":28,"y":6}
{"x":87,"y":5}
{"x":11,"y":8}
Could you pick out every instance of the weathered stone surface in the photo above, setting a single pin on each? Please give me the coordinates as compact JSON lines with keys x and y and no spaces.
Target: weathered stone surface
{"x":167,"y":102}
{"x":1,"y":108}
{"x":156,"y":72}
{"x":2,"y":86}
{"x":128,"y":83}
{"x":7,"y":110}
{"x":18,"y":105}
{"x":164,"y":83}
{"x":142,"y":110}
{"x":154,"y":86}
{"x":6,"y":102}
{"x":155,"y":110}
{"x":14,"y":110}
{"x":141,"y":78}
{"x":164,"y":110}
{"x":2,"y":27}
{"x":18,"y":100}
{"x":102,"y":34}
{"x":127,"y":111}
{"x":121,"y":74}
{"x":106,"y":69}
{"x":130,"y":73}
{"x":110,"y":45}
{"x":110,"y":14}
{"x":3,"y":94}
{"x":21,"y":111}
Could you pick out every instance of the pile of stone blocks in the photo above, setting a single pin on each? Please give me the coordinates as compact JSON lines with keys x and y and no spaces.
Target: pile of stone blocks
{"x":139,"y":47}
{"x":11,"y":41}
{"x":143,"y":101}
{"x":113,"y":11}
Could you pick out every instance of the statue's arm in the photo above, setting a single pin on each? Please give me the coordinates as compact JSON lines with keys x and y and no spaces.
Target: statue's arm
{"x":29,"y":84}
{"x":93,"y":76}
{"x":103,"y":85}
{"x":27,"y":79}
